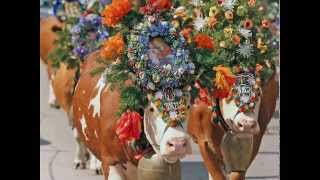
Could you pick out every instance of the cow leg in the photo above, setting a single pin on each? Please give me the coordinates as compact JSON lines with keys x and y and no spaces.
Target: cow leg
{"x":211,"y":162}
{"x":52,"y":98}
{"x":95,"y":164}
{"x":82,"y":155}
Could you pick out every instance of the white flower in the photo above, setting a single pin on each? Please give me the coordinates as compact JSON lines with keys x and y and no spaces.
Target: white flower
{"x":167,"y":67}
{"x":178,"y":92}
{"x":159,"y":95}
{"x":245,"y":50}
{"x":245,"y":32}
{"x":199,"y":23}
{"x":196,"y":3}
{"x":180,"y":71}
{"x":173,"y":114}
{"x":229,"y":4}
{"x":151,"y":86}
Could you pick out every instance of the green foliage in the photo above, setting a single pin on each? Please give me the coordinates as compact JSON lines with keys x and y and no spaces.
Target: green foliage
{"x":131,"y":98}
{"x":132,"y":19}
{"x":63,"y":51}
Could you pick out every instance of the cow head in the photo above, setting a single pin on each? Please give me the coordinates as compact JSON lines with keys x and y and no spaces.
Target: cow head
{"x":241,"y":110}
{"x":169,"y":140}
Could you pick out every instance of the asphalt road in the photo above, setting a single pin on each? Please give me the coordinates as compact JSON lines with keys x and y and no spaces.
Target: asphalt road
{"x":57,"y":148}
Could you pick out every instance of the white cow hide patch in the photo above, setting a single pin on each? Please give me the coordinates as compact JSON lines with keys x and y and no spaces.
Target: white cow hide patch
{"x":95,"y":101}
{"x":83,"y":127}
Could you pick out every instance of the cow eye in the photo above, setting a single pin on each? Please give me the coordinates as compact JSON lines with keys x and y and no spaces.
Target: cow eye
{"x":188,"y":107}
{"x":151,"y":109}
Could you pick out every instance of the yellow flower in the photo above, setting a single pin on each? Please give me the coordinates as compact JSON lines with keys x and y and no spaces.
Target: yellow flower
{"x":228,"y":32}
{"x":180,"y":12}
{"x":213,"y":11}
{"x":261,"y":45}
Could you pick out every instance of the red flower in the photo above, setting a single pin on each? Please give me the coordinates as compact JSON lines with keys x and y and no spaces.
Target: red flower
{"x":156,"y":6}
{"x":203,"y":41}
{"x":265,"y":23}
{"x":247,"y":24}
{"x":129,"y":126}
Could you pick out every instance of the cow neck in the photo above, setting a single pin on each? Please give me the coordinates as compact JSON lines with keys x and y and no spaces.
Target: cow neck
{"x":76,"y":79}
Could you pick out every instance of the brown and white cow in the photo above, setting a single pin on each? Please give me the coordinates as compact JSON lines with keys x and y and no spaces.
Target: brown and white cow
{"x":95,"y":107}
{"x":209,"y":136}
{"x":61,"y":87}
{"x":48,"y":28}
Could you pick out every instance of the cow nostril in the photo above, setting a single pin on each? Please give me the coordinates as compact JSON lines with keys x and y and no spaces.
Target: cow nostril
{"x":253,"y":125}
{"x":184,"y":144}
{"x":239,"y":124}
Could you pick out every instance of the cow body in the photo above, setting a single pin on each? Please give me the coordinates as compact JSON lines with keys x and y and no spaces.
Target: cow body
{"x":92,"y":95}
{"x":47,"y":37}
{"x":95,"y":107}
{"x":61,"y":85}
{"x":209,"y":136}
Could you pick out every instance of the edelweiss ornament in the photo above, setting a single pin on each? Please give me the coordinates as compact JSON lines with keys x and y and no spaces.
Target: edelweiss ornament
{"x":199,"y":23}
{"x":229,"y":4}
{"x":246,"y":91}
{"x":245,"y":33}
{"x":196,"y":3}
{"x":245,"y":50}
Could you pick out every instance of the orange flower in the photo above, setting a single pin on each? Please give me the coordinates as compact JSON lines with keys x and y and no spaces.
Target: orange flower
{"x":113,"y":47}
{"x":251,"y":3}
{"x":114,"y":12}
{"x":236,"y":39}
{"x":224,"y":80}
{"x":247,"y":24}
{"x":203,"y":41}
{"x":265,"y":23}
{"x":229,"y":15}
{"x":212,"y":22}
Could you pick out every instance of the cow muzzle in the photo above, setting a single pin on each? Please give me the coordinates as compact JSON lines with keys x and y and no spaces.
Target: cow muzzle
{"x":246,"y":125}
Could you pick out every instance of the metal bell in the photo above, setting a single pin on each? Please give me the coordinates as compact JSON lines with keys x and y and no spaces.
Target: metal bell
{"x":156,"y":168}
{"x":237,"y":151}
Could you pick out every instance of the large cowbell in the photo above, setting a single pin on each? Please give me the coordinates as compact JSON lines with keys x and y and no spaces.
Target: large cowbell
{"x":237,"y":151}
{"x":156,"y":168}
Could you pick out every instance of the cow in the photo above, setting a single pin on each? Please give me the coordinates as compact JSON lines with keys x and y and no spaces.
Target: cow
{"x":209,"y":135}
{"x":61,"y":87}
{"x":95,"y":106}
{"x":48,"y":28}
